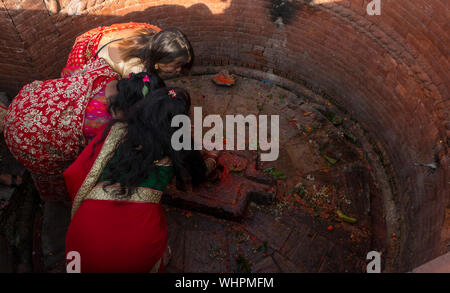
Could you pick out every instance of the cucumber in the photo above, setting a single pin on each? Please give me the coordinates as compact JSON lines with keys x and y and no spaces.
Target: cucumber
{"x":345,"y":218}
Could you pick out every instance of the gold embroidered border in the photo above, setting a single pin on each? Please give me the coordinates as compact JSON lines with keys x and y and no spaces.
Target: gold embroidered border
{"x":113,"y":139}
{"x":141,"y":195}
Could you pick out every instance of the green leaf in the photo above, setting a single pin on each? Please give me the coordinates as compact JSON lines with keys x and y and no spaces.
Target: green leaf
{"x":336,"y":120}
{"x":346,"y":218}
{"x":330,"y":159}
{"x":278,"y":174}
{"x":299,"y":189}
{"x":243,"y":265}
{"x":274,"y":173}
{"x":144,"y":91}
{"x":350,"y":136}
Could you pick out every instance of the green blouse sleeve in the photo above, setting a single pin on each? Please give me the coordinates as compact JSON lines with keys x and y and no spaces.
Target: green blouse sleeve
{"x":158,"y":179}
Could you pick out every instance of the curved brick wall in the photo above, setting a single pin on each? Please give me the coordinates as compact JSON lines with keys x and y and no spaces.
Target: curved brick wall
{"x":390,"y":72}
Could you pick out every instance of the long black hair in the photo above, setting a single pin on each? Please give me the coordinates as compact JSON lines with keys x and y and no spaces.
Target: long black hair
{"x":131,"y":90}
{"x":148,"y":139}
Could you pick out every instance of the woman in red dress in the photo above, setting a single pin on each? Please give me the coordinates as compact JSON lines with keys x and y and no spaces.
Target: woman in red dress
{"x":50,"y":122}
{"x":132,"y":47}
{"x":118,"y":224}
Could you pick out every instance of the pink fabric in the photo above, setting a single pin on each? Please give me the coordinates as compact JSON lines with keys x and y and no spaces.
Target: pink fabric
{"x":96,"y":116}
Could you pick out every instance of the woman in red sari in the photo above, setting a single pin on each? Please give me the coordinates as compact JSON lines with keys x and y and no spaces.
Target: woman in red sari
{"x":50,"y":122}
{"x":118,"y":224}
{"x":132,"y":47}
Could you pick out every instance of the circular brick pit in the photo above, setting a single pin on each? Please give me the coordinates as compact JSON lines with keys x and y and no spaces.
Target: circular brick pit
{"x":386,"y":74}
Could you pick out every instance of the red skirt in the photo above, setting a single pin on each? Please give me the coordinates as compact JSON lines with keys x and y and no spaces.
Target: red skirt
{"x":113,"y":236}
{"x":116,"y":236}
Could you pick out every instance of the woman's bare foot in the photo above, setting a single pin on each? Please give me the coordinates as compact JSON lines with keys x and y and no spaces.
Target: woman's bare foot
{"x":10,"y":180}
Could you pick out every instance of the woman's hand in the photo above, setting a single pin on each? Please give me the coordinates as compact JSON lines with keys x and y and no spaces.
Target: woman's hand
{"x":210,"y":160}
{"x":210,"y":165}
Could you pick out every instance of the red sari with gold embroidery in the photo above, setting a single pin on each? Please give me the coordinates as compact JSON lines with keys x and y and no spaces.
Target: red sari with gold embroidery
{"x":86,"y":45}
{"x":112,"y":235}
{"x":44,"y":125}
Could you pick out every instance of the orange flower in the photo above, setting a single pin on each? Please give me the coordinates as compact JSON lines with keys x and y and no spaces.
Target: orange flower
{"x":223,"y":79}
{"x":330,"y":228}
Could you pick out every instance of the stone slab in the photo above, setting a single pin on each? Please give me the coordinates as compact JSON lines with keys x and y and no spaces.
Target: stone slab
{"x":229,"y":197}
{"x":202,"y":248}
{"x":266,"y":228}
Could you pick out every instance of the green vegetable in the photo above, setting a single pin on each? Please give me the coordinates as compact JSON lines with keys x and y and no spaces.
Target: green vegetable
{"x":334,"y":119}
{"x":345,"y":218}
{"x":278,"y":174}
{"x":350,"y":136}
{"x":274,"y":173}
{"x":330,"y":159}
{"x":243,"y":265}
{"x":299,"y":189}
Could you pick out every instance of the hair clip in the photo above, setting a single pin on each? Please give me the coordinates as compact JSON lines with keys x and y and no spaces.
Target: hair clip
{"x":145,"y":91}
{"x":146,"y":79}
{"x":172,"y":93}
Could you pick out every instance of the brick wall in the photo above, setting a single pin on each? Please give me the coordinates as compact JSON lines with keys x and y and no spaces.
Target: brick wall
{"x":389,"y":71}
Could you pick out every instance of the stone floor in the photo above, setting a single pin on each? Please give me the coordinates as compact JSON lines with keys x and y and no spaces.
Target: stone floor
{"x":321,"y":168}
{"x":15,"y":211}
